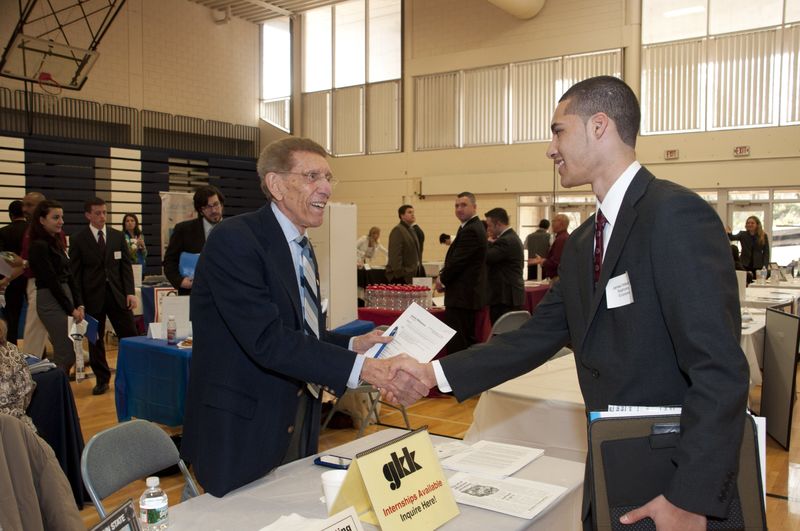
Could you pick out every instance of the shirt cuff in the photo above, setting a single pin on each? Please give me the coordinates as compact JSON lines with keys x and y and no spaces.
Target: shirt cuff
{"x":355,"y":374}
{"x":441,"y":379}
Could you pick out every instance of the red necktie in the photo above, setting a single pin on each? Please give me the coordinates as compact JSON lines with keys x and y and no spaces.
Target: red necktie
{"x":600,"y":223}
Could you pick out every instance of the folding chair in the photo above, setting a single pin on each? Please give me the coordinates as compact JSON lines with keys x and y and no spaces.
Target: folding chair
{"x":127,"y":452}
{"x":510,"y":321}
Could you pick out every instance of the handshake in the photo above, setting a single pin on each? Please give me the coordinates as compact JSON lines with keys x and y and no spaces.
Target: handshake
{"x":400,"y":379}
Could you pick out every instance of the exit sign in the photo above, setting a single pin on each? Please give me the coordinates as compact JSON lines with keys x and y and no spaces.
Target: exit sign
{"x":741,"y":151}
{"x":671,"y":154}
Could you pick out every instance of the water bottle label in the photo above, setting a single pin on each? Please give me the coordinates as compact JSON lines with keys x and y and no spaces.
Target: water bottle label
{"x":154,"y":515}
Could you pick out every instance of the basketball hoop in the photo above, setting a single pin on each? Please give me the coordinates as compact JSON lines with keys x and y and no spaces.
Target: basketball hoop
{"x":48,"y":84}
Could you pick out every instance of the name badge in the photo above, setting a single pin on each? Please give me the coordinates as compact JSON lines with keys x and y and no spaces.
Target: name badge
{"x":117,"y":255}
{"x":619,"y":292}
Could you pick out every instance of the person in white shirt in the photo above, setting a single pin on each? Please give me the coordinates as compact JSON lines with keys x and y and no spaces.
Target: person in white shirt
{"x":367,"y":245}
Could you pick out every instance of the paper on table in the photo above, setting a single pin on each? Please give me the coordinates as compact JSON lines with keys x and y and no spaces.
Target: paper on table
{"x":438,"y":301}
{"x":347,"y":519}
{"x":447,"y":449}
{"x":417,"y":333}
{"x":492,"y":459}
{"x":522,"y":498}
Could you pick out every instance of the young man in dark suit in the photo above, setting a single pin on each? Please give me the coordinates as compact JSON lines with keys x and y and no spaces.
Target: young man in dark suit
{"x":504,"y":258}
{"x":11,"y":240}
{"x":638,"y":339}
{"x":190,"y":236}
{"x":261,"y":350}
{"x":463,"y":277}
{"x":101,"y":266}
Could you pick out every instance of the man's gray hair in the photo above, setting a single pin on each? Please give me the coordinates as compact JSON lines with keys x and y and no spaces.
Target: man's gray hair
{"x":278,"y":157}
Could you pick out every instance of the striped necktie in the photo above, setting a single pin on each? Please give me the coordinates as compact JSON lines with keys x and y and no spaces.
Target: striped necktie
{"x":310,"y":296}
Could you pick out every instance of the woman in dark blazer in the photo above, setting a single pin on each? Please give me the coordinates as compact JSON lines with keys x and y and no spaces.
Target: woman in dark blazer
{"x":755,"y":245}
{"x":56,"y":296}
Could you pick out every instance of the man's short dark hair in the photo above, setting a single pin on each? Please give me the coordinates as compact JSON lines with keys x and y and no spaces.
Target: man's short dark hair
{"x":278,"y":157}
{"x":94,"y":201}
{"x":468,"y":195}
{"x":203,"y":194}
{"x":609,"y":95}
{"x":498,"y":214}
{"x":402,"y":210}
{"x":15,"y":209}
{"x":443,"y":237}
{"x":544,"y":224}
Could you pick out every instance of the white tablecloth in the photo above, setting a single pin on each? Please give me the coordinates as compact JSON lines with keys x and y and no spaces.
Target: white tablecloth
{"x":780,"y":286}
{"x":543,"y":408}
{"x":753,"y":342}
{"x":296,"y":487}
{"x":769,"y":298}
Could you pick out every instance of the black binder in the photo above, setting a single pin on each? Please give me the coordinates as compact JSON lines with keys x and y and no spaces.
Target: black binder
{"x":631,"y":462}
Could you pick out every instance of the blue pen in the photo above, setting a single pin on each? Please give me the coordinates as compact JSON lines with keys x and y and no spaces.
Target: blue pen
{"x":383,"y":346}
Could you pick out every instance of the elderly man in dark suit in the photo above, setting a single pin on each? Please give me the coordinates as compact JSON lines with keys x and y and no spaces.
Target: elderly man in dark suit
{"x":261,"y":351}
{"x":638,"y":340}
{"x":11,"y":240}
{"x":190,"y":236}
{"x":504,"y":258}
{"x":463,"y":277}
{"x":101,"y":266}
{"x":405,"y":251}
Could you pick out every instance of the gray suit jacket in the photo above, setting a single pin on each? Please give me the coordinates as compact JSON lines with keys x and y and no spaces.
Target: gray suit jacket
{"x":676,"y":344}
{"x":404,"y":254}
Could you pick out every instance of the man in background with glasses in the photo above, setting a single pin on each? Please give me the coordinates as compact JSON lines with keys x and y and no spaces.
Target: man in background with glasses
{"x":190,"y":236}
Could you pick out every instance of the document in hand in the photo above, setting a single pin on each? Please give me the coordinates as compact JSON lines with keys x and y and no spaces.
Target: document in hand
{"x":417,"y":333}
{"x":187,"y":264}
{"x":91,"y":328}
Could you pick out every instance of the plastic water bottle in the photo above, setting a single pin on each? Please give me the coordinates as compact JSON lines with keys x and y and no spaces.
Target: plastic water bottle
{"x":172,"y":331}
{"x":762,"y":276}
{"x":154,"y":507}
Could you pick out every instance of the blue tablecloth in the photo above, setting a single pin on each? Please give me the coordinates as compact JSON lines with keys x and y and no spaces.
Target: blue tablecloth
{"x":152,"y":377}
{"x":55,"y":416}
{"x":148,"y":305}
{"x":151,"y":380}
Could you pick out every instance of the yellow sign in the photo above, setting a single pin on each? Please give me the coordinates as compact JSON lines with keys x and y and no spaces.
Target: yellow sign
{"x":399,"y":485}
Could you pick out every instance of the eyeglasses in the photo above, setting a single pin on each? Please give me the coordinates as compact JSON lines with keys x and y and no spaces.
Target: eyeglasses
{"x":213,"y":206}
{"x":313,"y":177}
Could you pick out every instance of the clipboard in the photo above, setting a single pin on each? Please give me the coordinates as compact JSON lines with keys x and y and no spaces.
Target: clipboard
{"x":630,"y":460}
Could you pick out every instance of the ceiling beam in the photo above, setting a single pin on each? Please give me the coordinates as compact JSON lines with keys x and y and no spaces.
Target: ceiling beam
{"x":271,"y":7}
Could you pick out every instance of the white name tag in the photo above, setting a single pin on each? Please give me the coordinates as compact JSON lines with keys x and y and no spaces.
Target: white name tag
{"x":117,"y":255}
{"x":619,"y":292}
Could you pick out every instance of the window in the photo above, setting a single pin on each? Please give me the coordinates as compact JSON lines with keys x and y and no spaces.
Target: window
{"x":779,"y":212}
{"x":719,"y":64}
{"x":351,"y":76}
{"x":499,"y":104}
{"x":276,"y":72}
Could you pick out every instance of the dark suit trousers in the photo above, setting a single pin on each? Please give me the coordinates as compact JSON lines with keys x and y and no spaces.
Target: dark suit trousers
{"x":462,"y":320}
{"x":15,"y":294}
{"x":124,"y":326}
{"x":532,"y":271}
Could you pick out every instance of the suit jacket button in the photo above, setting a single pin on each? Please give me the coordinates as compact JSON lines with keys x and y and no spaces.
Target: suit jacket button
{"x":595,"y":373}
{"x":290,"y":430}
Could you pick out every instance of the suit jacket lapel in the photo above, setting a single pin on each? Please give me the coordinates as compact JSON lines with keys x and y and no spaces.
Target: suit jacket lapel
{"x":277,"y":246}
{"x":626,"y":218}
